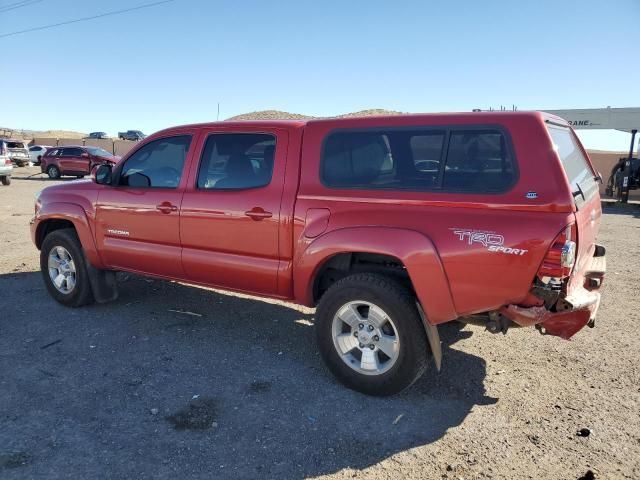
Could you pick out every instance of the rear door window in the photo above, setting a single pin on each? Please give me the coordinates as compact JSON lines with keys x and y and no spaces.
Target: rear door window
{"x":237,"y":161}
{"x":581,"y":177}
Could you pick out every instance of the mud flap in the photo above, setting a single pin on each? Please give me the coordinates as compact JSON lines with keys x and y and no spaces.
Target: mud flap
{"x":103,"y":284}
{"x":433,"y":336}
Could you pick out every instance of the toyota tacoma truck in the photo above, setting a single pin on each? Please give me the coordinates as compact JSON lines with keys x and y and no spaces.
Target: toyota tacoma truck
{"x":390,"y":226}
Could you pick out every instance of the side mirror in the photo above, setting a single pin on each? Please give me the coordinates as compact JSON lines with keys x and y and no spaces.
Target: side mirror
{"x":102,"y":174}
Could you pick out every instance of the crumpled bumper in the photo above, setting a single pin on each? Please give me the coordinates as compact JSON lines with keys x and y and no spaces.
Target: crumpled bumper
{"x":573,"y":311}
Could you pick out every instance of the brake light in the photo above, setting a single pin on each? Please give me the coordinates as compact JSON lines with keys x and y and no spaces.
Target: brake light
{"x":7,"y":161}
{"x":561,"y":256}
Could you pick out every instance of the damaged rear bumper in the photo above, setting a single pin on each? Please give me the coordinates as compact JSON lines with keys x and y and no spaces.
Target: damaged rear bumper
{"x":573,"y":311}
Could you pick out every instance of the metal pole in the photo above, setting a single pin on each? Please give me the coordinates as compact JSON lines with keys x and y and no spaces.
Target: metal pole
{"x":626,"y":173}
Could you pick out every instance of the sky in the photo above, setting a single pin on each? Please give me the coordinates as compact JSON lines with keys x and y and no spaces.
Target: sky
{"x":173,"y":63}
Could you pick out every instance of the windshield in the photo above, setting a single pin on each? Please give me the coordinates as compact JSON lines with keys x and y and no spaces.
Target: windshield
{"x":576,"y":166}
{"x":99,"y":152}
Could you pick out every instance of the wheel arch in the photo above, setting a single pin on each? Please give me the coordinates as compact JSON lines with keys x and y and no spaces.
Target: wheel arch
{"x":56,"y":216}
{"x":414,"y":253}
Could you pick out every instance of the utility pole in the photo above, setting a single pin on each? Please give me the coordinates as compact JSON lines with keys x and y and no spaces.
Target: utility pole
{"x":627,"y":170}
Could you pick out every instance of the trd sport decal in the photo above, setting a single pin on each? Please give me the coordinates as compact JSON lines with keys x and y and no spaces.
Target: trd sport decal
{"x":494,"y":242}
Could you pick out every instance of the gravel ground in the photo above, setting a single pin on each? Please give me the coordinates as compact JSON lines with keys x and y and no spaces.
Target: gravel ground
{"x":137,"y":389}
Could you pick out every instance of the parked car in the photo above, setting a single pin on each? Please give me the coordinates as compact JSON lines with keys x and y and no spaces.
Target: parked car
{"x":16,"y":150}
{"x":6,"y":166}
{"x":390,"y":226}
{"x":98,"y":135}
{"x":74,"y":160}
{"x":36,"y":152}
{"x":134,"y":135}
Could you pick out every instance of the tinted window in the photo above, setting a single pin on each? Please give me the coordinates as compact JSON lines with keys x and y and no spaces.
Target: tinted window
{"x":478,"y":161}
{"x":35,"y":149}
{"x":394,"y":159}
{"x":72,"y":152}
{"x":233,"y":161}
{"x":576,"y":166}
{"x":157,"y":164}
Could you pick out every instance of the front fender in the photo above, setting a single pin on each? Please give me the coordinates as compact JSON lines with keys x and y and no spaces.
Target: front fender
{"x":416,"y":251}
{"x":76,"y":215}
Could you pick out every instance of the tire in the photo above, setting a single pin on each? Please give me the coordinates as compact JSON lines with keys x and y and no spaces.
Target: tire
{"x":6,"y":180}
{"x":78,"y":295}
{"x":372,"y":295}
{"x":53,"y":172}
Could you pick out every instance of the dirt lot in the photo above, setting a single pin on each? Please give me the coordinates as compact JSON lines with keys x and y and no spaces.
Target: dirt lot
{"x":134,"y":389}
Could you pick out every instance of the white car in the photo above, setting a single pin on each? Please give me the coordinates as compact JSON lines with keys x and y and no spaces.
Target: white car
{"x":16,"y":150}
{"x":36,"y":152}
{"x":6,"y":166}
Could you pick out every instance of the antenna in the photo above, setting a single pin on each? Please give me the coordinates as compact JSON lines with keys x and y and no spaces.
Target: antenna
{"x":218,"y":115}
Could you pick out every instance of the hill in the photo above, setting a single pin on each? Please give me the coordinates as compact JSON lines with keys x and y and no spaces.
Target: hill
{"x":280,"y":115}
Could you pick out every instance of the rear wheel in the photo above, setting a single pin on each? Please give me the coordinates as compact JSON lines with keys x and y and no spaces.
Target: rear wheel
{"x":53,"y":172}
{"x":6,"y":180}
{"x":370,"y":334}
{"x":64,"y":268}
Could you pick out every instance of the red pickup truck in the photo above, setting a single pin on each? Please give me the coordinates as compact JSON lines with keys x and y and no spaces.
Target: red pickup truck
{"x":389,"y":225}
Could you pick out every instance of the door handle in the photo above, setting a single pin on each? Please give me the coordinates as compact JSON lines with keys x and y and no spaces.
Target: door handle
{"x":258,"y":213}
{"x":166,"y":207}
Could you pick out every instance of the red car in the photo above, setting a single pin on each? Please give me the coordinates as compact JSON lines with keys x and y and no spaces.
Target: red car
{"x":390,"y":226}
{"x":74,"y":160}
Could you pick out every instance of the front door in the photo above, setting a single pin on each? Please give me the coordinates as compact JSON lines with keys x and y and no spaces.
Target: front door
{"x":138,"y":219}
{"x":230,"y":215}
{"x":71,"y":160}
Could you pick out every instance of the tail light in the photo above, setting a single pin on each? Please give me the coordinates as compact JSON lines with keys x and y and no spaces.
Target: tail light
{"x":7,"y":161}
{"x":561,"y":256}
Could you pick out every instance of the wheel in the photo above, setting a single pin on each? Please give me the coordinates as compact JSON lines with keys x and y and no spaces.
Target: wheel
{"x":64,"y":268}
{"x":370,"y":334}
{"x":53,"y":172}
{"x":6,"y":180}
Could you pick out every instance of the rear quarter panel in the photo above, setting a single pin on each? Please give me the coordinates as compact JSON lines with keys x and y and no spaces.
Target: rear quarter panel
{"x":479,"y":279}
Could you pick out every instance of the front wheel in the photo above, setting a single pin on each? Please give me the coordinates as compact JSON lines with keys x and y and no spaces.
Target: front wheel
{"x":64,"y":268}
{"x":6,"y":180}
{"x":53,"y":172}
{"x":370,"y":334}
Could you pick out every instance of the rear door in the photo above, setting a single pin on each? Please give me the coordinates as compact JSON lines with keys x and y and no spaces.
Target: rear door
{"x":138,"y":219}
{"x":584,"y":186}
{"x":230,"y":216}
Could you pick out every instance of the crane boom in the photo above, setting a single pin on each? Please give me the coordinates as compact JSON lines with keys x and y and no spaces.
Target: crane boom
{"x":624,"y":119}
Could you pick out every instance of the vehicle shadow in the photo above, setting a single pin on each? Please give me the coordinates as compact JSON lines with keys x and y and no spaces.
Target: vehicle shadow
{"x":621,"y":209}
{"x":39,"y":176}
{"x":178,"y":381}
